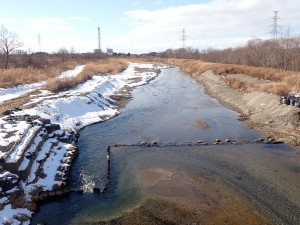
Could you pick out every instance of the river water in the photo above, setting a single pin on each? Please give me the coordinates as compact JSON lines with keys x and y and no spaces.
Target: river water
{"x":174,"y":111}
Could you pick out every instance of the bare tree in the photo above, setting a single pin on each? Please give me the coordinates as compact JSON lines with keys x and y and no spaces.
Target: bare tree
{"x":29,"y":56}
{"x":63,"y":53}
{"x":8,"y":43}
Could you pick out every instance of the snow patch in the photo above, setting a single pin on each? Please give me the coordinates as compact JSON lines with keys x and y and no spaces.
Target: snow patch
{"x":71,"y":73}
{"x":8,"y":215}
{"x":15,"y":92}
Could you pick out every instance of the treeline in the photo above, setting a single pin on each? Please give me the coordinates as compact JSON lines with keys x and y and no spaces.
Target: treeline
{"x":281,"y":53}
{"x":39,"y":60}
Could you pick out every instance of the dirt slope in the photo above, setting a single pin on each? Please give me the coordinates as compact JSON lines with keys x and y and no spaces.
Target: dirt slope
{"x":259,"y":110}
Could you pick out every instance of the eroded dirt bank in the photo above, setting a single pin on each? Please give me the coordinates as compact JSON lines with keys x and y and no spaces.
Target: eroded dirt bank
{"x":259,"y":110}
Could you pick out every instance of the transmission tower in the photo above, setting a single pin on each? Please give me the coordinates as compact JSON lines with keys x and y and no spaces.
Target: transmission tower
{"x":183,"y":39}
{"x":275,"y":25}
{"x":39,"y":41}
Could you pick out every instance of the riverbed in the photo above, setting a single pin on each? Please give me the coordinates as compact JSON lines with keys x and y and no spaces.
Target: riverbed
{"x":260,"y":181}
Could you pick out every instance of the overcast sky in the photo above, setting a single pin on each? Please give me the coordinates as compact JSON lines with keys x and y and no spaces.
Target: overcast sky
{"x":139,"y":26}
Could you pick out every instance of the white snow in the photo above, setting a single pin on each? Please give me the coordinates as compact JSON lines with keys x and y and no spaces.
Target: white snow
{"x":72,"y":73}
{"x":15,"y":92}
{"x":89,"y":102}
{"x":5,"y":174}
{"x":3,"y":200}
{"x":8,"y":215}
{"x":50,"y":167}
{"x":17,"y":130}
{"x":15,"y":155}
{"x":32,"y":148}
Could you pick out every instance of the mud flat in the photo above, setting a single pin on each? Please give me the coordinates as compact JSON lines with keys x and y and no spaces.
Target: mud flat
{"x":259,"y":110}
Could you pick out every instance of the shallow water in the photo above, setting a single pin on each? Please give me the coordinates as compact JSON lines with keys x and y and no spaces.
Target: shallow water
{"x":165,"y":110}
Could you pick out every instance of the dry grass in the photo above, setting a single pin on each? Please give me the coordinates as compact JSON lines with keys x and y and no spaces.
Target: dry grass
{"x":17,"y":76}
{"x":101,"y":67}
{"x":280,"y":82}
{"x":14,"y":77}
{"x":236,"y":84}
{"x":16,"y":102}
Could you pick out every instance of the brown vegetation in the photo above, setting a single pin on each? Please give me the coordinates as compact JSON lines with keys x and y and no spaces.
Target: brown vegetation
{"x":282,"y":53}
{"x":274,"y":60}
{"x":100,"y":67}
{"x":279,"y":82}
{"x":16,"y":76}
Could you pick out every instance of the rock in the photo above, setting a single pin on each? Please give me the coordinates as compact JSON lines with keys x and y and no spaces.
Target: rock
{"x":270,"y":139}
{"x":217,"y":142}
{"x":7,"y":112}
{"x":96,"y":190}
{"x":46,"y":121}
{"x":259,"y":140}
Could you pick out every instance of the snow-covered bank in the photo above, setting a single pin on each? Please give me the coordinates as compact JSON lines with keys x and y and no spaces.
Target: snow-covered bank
{"x":38,"y":143}
{"x":15,"y":92}
{"x":90,"y":102}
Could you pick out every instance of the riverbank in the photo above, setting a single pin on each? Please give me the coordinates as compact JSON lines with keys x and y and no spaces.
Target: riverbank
{"x":254,"y":92}
{"x":39,"y":142}
{"x":259,"y":110}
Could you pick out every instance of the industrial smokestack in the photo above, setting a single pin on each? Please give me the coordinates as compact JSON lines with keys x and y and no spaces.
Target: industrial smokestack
{"x":99,"y":42}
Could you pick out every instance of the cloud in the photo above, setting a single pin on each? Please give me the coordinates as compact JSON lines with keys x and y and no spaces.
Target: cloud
{"x":135,"y":3}
{"x":156,"y":3}
{"x":217,"y":24}
{"x":8,"y":20}
{"x":78,"y":18}
{"x":48,"y":24}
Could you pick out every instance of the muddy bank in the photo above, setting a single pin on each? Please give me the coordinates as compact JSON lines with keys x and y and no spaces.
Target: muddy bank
{"x":259,"y":110}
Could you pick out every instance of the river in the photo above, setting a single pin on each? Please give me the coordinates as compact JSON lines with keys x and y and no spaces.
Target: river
{"x":174,"y":111}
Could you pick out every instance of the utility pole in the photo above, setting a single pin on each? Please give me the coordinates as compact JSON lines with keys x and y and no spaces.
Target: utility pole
{"x":275,"y":25}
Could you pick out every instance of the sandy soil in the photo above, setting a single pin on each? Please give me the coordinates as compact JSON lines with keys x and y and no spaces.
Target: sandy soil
{"x":176,"y":197}
{"x":259,"y":110}
{"x":202,"y":124}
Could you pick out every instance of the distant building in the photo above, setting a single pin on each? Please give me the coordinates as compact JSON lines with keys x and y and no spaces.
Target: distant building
{"x":109,"y":51}
{"x":97,"y":50}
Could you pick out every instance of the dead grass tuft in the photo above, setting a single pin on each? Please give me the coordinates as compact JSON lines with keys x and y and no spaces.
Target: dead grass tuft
{"x":236,"y":84}
{"x":274,"y":88}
